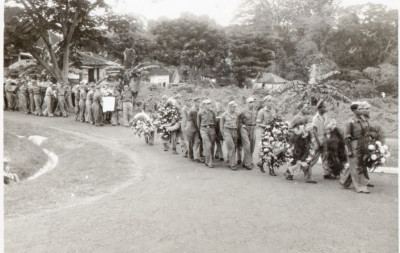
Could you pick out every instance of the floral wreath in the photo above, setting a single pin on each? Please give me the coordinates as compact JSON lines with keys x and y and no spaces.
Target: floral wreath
{"x":167,"y":114}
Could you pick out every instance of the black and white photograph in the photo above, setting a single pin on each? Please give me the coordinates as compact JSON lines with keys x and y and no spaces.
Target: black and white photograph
{"x":200,"y":126}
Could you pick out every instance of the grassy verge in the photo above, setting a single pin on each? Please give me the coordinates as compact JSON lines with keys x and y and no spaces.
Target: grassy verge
{"x":85,"y":169}
{"x":25,"y":157}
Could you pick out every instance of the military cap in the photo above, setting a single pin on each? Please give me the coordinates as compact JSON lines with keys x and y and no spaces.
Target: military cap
{"x":207,"y":101}
{"x":267,"y":98}
{"x":250,"y":100}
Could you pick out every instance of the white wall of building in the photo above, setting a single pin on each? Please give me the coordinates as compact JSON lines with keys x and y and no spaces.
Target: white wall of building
{"x":159,"y":79}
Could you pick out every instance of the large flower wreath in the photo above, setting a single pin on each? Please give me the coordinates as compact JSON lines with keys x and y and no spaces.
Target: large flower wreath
{"x":142,"y":124}
{"x":275,"y":148}
{"x":375,"y":152}
{"x":167,"y":114}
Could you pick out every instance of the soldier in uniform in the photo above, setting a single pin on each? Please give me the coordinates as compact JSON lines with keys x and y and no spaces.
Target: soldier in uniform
{"x":62,"y":105}
{"x":354,"y":138}
{"x":319,"y":123}
{"x":193,"y":132}
{"x":37,"y":97}
{"x":127,"y":105}
{"x":24,"y":97}
{"x":82,"y":103}
{"x":76,"y":93}
{"x":206,"y":122}
{"x":89,"y":101}
{"x":115,"y":113}
{"x":229,"y":128}
{"x":49,"y":96}
{"x":10,"y":95}
{"x":150,"y":107}
{"x":97,"y":107}
{"x":31,"y":97}
{"x":264,"y":116}
{"x":247,"y":123}
{"x":183,"y":134}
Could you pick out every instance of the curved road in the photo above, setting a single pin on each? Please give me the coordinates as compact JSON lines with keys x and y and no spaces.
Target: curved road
{"x":178,"y":206}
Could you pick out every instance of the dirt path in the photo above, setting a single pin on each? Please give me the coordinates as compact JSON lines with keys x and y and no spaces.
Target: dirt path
{"x":178,"y":206}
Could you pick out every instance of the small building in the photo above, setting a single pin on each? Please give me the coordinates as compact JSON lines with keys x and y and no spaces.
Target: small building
{"x":160,"y":77}
{"x":268,"y":81}
{"x":93,"y":66}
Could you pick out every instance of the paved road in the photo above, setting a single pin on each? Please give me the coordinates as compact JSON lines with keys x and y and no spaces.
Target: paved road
{"x":178,"y":206}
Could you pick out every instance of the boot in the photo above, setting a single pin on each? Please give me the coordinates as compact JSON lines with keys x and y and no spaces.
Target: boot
{"x":272,"y":172}
{"x":261,"y":166}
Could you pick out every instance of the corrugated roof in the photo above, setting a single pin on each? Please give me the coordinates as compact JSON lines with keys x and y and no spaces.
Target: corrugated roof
{"x":155,"y":72}
{"x":270,"y":78}
{"x":90,"y":59}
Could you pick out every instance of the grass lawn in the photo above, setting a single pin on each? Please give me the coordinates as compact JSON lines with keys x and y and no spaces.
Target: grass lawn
{"x":25,"y":157}
{"x":85,"y":169}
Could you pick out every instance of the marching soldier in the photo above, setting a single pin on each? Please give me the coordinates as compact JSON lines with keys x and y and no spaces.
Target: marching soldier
{"x":264,"y":116}
{"x":89,"y":101}
{"x":229,"y":128}
{"x":31,"y":97}
{"x":193,"y":132}
{"x":76,"y":92}
{"x":127,"y":105}
{"x":49,"y":96}
{"x":206,"y":122}
{"x":247,"y":122}
{"x":62,"y":105}
{"x":97,"y":107}
{"x":37,"y":98}
{"x":10,"y":95}
{"x":115,"y":113}
{"x":150,"y":107}
{"x":24,"y":97}
{"x":82,"y":103}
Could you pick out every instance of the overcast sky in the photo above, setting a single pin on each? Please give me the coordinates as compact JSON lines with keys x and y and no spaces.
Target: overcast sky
{"x":220,"y":10}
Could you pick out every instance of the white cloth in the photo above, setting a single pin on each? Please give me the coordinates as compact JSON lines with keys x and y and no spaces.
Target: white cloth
{"x":108,"y":104}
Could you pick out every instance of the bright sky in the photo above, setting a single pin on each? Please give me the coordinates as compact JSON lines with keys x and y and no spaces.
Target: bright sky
{"x":220,"y":10}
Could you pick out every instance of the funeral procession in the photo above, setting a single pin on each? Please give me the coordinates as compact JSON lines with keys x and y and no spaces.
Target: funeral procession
{"x":212,"y":126}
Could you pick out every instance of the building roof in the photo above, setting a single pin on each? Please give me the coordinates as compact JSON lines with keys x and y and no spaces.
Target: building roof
{"x":270,"y":78}
{"x":159,"y":72}
{"x":93,"y":60}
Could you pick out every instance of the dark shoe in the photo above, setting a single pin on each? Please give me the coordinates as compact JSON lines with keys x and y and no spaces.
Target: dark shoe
{"x":329,"y":177}
{"x":370,"y":185}
{"x":311,"y":181}
{"x":185,"y":155}
{"x":272,"y":172}
{"x":221,"y":159}
{"x":239,"y":162}
{"x":288,"y":176}
{"x":248,"y":167}
{"x":364,"y":191}
{"x":261,"y":166}
{"x":216,"y":157}
{"x":233,"y":167}
{"x":198,"y":161}
{"x":174,"y":152}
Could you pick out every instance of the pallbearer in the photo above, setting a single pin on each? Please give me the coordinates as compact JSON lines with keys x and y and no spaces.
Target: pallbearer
{"x":206,"y":122}
{"x":37,"y":97}
{"x":247,"y":122}
{"x":229,"y":128}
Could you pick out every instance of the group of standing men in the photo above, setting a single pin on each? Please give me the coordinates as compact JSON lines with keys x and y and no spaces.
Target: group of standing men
{"x":37,"y":97}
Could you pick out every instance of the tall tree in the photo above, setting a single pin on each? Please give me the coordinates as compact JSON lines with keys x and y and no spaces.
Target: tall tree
{"x":37,"y":20}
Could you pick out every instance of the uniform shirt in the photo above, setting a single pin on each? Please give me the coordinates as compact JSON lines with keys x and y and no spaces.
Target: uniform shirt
{"x":36,"y":90}
{"x":24,"y":89}
{"x":184,"y":115}
{"x":97,"y":97}
{"x":83,"y":94}
{"x":247,"y":117}
{"x":150,"y":105}
{"x":192,"y":117}
{"x":230,"y":120}
{"x":126,"y":96}
{"x":356,"y":128}
{"x":89,"y":95}
{"x":264,"y":116}
{"x":49,"y":91}
{"x":30,"y":89}
{"x":319,"y":122}
{"x":206,"y":118}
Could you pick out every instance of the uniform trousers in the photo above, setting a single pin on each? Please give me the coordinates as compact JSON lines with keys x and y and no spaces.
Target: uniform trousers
{"x":248,"y":138}
{"x":231,"y":138}
{"x":208,"y":137}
